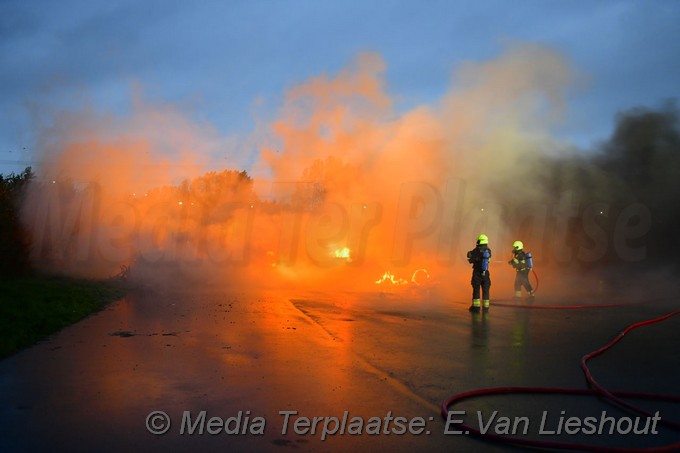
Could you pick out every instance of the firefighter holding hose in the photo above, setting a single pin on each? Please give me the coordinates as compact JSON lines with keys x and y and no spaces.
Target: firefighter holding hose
{"x":523,"y":264}
{"x":479,"y":257}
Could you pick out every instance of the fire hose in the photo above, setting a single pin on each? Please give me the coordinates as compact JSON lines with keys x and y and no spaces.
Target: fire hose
{"x":536,"y":277}
{"x":595,"y":389}
{"x":556,"y":307}
{"x":534,"y":274}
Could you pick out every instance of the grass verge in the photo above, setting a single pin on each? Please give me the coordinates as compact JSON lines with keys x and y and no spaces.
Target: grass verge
{"x":32,"y":308}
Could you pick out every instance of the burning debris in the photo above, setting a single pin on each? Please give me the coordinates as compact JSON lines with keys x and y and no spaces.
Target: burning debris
{"x":420,"y":277}
{"x":388,"y":277}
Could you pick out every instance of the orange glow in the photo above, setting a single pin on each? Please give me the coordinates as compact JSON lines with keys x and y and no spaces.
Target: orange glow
{"x":343,"y":186}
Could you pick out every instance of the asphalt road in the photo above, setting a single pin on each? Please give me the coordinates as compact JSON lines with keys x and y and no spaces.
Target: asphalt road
{"x":328,"y":371}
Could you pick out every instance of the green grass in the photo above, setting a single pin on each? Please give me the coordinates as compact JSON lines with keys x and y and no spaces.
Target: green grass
{"x":32,"y":308}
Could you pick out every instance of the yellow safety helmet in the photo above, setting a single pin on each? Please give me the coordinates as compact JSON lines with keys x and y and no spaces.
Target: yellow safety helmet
{"x":482,"y":239}
{"x":517,"y":245}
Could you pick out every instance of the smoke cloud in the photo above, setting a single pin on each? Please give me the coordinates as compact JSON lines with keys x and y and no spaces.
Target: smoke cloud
{"x":347,"y":188}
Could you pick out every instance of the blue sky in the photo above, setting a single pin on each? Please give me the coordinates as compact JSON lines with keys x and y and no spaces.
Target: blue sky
{"x":226,"y":62}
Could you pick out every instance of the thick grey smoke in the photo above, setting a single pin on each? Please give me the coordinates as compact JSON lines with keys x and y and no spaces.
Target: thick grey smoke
{"x":357,"y":189}
{"x":609,"y":211}
{"x":642,"y":160}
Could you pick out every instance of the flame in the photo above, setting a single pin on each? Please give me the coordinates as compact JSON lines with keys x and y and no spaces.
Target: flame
{"x":389,"y":277}
{"x":343,"y":253}
{"x":415,"y":278}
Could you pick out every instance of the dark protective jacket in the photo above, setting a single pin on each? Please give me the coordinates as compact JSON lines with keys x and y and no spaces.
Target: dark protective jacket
{"x":476,"y":255}
{"x":519,"y":261}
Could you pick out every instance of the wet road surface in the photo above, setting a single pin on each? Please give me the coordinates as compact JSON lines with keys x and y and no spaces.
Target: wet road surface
{"x":362,"y":356}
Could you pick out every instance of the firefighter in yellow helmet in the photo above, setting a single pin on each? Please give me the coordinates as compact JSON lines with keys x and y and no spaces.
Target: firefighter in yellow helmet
{"x":522,"y":262}
{"x":480,"y":257}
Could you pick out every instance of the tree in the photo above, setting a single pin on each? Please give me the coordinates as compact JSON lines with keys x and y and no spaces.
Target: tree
{"x":14,"y":241}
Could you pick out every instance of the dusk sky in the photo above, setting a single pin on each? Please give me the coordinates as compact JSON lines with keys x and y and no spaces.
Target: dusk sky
{"x":226,"y":65}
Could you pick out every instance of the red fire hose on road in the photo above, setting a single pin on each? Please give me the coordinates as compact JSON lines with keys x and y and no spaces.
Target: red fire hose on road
{"x":555,"y":307}
{"x":595,"y":390}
